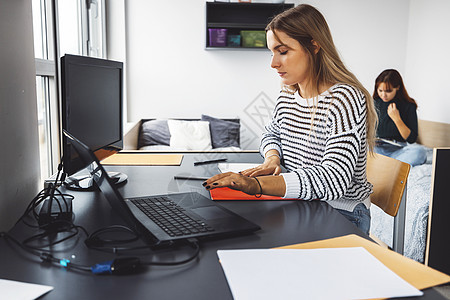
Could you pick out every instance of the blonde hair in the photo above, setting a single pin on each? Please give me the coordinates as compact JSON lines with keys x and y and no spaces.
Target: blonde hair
{"x":306,"y":24}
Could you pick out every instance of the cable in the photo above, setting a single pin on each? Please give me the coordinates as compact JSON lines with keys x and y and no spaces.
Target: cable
{"x":52,"y":226}
{"x":117,"y":266}
{"x":45,"y":256}
{"x":71,"y":229}
{"x":192,"y":257}
{"x":97,"y":242}
{"x":128,"y":265}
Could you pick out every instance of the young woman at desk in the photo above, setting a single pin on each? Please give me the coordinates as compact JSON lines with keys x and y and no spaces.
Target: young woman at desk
{"x":397,"y":129}
{"x":323,"y":124}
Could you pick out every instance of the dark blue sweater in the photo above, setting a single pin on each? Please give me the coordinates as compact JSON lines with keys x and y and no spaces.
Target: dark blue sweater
{"x":386,"y":127}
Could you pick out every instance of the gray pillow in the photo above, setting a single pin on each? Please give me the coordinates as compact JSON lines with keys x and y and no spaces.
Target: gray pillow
{"x":224,"y":133}
{"x":154,"y":132}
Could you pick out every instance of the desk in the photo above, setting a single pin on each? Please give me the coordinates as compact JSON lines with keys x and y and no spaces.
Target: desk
{"x":282,"y":223}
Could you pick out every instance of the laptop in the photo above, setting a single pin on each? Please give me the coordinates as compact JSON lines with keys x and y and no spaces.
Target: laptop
{"x":165,"y":219}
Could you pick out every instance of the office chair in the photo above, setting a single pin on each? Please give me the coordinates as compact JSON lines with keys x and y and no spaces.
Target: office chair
{"x":388,"y":177}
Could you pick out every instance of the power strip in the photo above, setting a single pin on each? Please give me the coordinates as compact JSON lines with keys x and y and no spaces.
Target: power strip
{"x":51,"y":180}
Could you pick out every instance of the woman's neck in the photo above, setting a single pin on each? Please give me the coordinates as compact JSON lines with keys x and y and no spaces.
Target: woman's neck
{"x":307,"y":92}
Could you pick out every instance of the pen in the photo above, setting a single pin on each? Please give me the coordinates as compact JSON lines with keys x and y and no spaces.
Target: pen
{"x":190,"y":177}
{"x":209,"y":161}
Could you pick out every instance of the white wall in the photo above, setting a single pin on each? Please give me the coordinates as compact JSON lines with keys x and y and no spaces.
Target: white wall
{"x":19,"y":153}
{"x":428,"y":58}
{"x":371,"y":36}
{"x":116,"y":40}
{"x":170,"y":74}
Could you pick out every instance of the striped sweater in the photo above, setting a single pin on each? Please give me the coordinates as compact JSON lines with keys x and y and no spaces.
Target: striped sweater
{"x":325,"y":161}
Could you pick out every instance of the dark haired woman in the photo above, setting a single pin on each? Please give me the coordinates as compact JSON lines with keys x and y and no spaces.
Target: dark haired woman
{"x":397,"y":128}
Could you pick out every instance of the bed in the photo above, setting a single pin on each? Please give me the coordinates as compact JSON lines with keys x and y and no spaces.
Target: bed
{"x":432,"y":134}
{"x":207,"y":134}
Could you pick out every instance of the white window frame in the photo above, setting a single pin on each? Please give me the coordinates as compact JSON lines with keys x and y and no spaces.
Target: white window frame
{"x":49,"y":66}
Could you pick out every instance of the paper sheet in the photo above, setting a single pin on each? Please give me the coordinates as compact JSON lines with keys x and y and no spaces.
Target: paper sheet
{"x":15,"y":290}
{"x":235,"y":167}
{"x":417,"y":274}
{"x":334,"y":273}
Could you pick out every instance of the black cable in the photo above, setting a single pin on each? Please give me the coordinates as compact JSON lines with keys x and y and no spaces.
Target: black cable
{"x":71,"y":229}
{"x":121,"y":265}
{"x":45,"y":256}
{"x":124,"y":265}
{"x":192,"y":257}
{"x":97,"y":242}
{"x":46,"y":218}
{"x":96,"y":235}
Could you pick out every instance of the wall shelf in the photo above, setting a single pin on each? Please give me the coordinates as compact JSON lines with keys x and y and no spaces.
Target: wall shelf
{"x":235,"y":17}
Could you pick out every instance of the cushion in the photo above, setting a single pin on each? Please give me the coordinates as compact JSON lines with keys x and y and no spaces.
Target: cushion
{"x":190,"y":135}
{"x":154,"y":132}
{"x":224,"y":133}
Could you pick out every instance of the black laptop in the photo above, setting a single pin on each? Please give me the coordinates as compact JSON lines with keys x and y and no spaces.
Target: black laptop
{"x":165,"y":219}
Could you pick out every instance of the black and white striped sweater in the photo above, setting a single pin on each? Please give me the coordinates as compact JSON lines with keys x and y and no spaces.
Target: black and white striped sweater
{"x":325,"y":161}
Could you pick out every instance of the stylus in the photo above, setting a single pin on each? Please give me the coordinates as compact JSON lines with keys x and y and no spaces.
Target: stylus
{"x":190,"y":177}
{"x":209,"y":161}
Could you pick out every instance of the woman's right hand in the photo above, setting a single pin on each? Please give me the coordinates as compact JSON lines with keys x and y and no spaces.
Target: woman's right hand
{"x":271,"y":166}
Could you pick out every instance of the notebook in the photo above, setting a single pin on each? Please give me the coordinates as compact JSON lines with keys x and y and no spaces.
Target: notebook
{"x":212,"y":220}
{"x":230,"y":194}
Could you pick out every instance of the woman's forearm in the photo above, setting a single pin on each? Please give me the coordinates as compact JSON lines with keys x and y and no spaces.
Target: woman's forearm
{"x":273,"y":185}
{"x":402,"y":128}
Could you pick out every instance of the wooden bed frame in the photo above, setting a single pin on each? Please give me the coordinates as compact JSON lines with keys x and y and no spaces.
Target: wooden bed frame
{"x":434,"y":134}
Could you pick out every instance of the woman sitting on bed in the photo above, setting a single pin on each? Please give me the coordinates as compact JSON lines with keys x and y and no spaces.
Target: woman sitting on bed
{"x":397,"y":128}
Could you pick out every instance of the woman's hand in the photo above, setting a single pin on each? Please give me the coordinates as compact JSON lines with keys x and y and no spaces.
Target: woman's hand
{"x":271,"y":166}
{"x":234,"y":181}
{"x":393,"y":112}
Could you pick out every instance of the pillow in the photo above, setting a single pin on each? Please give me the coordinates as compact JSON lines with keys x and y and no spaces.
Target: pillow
{"x":190,"y":135}
{"x":154,"y":132}
{"x":223,"y":133}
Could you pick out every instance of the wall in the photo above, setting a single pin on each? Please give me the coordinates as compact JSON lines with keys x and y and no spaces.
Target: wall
{"x":371,"y":36}
{"x":19,"y":156}
{"x":116,"y":39}
{"x":170,"y":74}
{"x":428,"y":58}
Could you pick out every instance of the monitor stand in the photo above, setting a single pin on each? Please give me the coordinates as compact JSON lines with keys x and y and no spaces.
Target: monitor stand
{"x":86,"y":182}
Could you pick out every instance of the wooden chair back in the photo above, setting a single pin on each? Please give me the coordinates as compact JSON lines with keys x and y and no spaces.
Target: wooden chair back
{"x":388,"y":177}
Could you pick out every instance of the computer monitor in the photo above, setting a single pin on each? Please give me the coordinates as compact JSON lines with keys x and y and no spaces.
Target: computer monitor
{"x":92,"y":100}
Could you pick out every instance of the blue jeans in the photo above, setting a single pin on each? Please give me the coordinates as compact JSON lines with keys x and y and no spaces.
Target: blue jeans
{"x":360,"y":216}
{"x":413,"y":154}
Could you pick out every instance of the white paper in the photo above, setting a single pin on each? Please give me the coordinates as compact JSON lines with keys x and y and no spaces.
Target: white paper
{"x":335,"y":273}
{"x":15,"y":290}
{"x":235,"y":167}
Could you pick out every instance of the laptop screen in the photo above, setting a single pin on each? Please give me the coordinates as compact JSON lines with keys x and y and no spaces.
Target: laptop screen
{"x":102,"y":179}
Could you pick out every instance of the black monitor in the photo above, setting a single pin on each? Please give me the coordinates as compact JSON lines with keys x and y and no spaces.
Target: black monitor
{"x":92,"y":109}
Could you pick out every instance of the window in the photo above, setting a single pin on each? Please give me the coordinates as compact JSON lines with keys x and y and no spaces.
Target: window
{"x":81,"y":27}
{"x":81,"y":31}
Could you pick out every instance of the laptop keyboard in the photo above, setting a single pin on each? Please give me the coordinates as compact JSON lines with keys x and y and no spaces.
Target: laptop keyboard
{"x":170,"y":216}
